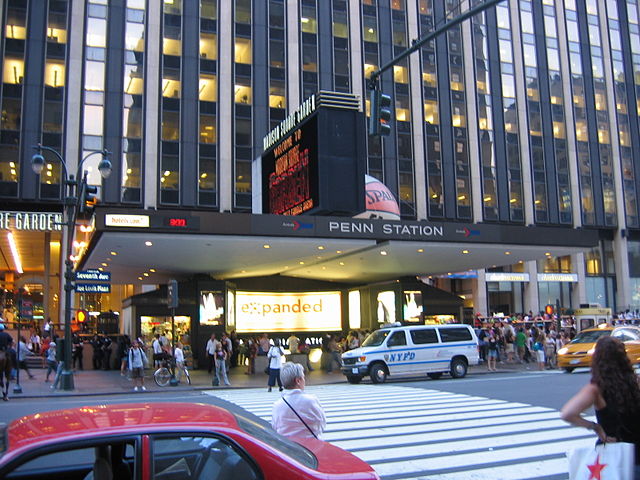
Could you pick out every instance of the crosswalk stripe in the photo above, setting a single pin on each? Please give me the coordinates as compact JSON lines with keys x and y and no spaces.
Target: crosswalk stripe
{"x":410,"y":433}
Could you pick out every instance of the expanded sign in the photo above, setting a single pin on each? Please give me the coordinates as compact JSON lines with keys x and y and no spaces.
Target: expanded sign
{"x":93,"y":287}
{"x":93,"y":276}
{"x":259,"y":312}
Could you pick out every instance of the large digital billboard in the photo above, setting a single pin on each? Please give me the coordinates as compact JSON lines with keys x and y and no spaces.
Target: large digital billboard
{"x":314,"y":161}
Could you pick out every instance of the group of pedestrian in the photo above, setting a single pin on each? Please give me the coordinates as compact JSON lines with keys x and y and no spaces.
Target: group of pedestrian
{"x":504,"y":342}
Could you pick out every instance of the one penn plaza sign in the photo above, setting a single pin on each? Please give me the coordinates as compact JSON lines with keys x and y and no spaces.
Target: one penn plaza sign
{"x":31,"y":221}
{"x":305,"y":109}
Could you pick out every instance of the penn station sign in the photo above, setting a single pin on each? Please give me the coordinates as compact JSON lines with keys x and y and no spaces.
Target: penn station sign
{"x":31,"y":221}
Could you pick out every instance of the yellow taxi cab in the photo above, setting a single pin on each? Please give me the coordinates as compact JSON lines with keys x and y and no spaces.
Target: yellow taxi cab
{"x":578,"y":352}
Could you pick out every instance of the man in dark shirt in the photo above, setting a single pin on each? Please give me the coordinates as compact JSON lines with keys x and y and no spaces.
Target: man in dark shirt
{"x":5,"y":339}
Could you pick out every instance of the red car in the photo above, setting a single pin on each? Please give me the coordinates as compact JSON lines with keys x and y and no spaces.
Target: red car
{"x":164,"y":441}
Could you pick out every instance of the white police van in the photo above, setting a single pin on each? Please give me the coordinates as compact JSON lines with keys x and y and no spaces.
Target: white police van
{"x":413,"y":350}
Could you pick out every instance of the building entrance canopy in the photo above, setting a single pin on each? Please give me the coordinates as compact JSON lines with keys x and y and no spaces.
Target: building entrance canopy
{"x":149,"y":246}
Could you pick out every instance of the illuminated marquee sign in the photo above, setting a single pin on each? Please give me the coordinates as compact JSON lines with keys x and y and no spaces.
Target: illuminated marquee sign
{"x":314,"y":162}
{"x":558,"y":277}
{"x":292,"y":184}
{"x":258,"y":312}
{"x":31,"y":221}
{"x":506,"y":277}
{"x":137,"y":221}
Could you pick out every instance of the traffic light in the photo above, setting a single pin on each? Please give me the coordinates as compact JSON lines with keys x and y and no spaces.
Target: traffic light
{"x":549,"y":309}
{"x":380,"y":114}
{"x":88,"y":198}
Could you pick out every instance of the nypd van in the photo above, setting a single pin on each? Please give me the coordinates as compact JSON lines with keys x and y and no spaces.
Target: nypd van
{"x":411,"y":351}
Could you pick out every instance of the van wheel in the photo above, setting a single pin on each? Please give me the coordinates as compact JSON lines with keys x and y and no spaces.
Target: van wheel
{"x":458,"y":368}
{"x":378,"y":373}
{"x":434,"y":375}
{"x":568,"y":369}
{"x":354,"y":379}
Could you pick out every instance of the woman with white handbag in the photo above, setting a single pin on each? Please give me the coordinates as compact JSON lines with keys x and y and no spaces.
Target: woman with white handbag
{"x":614,"y":392}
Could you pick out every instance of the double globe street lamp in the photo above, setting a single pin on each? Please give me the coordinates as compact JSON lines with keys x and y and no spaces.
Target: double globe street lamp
{"x":74,"y":197}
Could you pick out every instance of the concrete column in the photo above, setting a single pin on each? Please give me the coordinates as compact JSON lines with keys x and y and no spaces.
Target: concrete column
{"x":46,"y":294}
{"x":531,"y":295}
{"x":623,"y":293}
{"x":567,"y":97}
{"x":153,"y":76}
{"x":226,"y":60}
{"x":294,"y":68}
{"x":479,"y":292}
{"x":623,"y":282}
{"x":578,"y":290}
{"x":73,"y":97}
{"x":472,"y":125}
{"x":523,"y":119}
{"x":417,"y":118}
{"x":355,"y":48}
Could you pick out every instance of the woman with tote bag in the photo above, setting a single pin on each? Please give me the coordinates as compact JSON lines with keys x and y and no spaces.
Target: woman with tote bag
{"x":275,"y":362}
{"x":614,"y":393}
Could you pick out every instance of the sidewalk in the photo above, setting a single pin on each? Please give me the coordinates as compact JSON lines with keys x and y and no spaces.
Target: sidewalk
{"x":110,"y":382}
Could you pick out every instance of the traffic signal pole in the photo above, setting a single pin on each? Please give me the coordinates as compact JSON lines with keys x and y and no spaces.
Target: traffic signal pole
{"x":416,"y":44}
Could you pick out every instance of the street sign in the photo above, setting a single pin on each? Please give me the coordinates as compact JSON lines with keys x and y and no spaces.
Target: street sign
{"x":93,"y":288}
{"x":93,"y":276}
{"x":172,"y":294}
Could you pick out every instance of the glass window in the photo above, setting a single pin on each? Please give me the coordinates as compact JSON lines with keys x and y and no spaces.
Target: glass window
{"x":54,"y":73}
{"x":422,"y":336}
{"x":455,"y":334}
{"x":69,"y":462}
{"x":209,"y":46}
{"x":208,"y":88}
{"x":93,"y":120}
{"x":94,"y":76}
{"x":13,"y":71}
{"x":243,"y":50}
{"x":243,"y":11}
{"x":170,"y":125}
{"x":96,"y":32}
{"x":397,"y":339}
{"x":308,"y":20}
{"x":209,"y":9}
{"x":208,"y":129}
{"x":370,"y":29}
{"x":134,"y":37}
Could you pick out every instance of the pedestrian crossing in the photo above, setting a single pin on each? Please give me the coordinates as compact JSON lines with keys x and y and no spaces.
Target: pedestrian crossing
{"x":412,"y":433}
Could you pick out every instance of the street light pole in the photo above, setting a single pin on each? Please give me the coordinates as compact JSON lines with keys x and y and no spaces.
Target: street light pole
{"x":72,"y":199}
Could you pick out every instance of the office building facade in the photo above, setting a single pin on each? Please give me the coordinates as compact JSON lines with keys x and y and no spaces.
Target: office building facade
{"x":527,"y":114}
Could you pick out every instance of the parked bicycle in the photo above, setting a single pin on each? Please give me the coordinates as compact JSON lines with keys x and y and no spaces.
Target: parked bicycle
{"x":162,"y":376}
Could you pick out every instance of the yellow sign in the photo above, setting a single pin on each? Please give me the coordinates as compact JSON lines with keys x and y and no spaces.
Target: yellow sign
{"x":259,"y":312}
{"x":139,"y":221}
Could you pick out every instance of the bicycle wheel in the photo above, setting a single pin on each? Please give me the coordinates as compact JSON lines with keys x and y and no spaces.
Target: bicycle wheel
{"x":162,"y":376}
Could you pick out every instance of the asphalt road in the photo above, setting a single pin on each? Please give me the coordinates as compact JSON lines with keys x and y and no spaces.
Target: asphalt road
{"x":546,"y":389}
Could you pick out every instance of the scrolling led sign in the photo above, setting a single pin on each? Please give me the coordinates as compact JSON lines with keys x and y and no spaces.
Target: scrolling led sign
{"x":290,"y":172}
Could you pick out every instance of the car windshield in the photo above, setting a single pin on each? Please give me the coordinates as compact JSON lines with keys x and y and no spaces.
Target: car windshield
{"x":590,"y":336}
{"x":280,"y":443}
{"x":376,"y":338}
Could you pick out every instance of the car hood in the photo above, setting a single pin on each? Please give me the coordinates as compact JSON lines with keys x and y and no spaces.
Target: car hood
{"x":358,"y":352}
{"x":336,"y":461}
